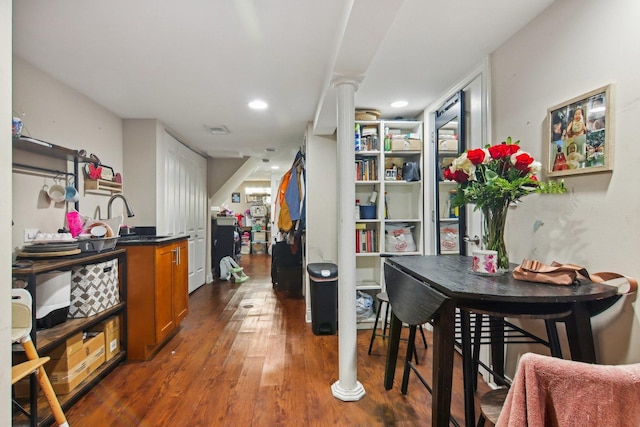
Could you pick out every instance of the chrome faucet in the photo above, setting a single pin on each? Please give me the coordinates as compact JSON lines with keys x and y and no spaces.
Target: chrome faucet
{"x":126,"y":205}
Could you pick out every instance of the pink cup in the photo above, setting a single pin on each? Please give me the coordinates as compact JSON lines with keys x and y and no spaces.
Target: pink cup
{"x":485,"y":262}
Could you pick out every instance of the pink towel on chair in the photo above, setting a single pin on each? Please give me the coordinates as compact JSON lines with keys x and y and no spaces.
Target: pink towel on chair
{"x":549,"y":391}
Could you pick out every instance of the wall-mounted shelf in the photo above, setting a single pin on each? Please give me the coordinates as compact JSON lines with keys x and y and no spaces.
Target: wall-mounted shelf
{"x":101,"y":186}
{"x":48,"y":149}
{"x":33,"y":145}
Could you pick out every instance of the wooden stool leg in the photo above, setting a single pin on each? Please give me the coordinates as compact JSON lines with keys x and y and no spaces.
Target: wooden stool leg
{"x":386,"y":316}
{"x":476,"y":341}
{"x":375,"y":326}
{"x":552,"y":335}
{"x":424,"y":339}
{"x":45,"y":385}
{"x":407,"y":362}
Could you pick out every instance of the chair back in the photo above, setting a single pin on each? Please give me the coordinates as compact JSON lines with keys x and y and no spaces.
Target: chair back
{"x":412,"y":301}
{"x":21,"y":321}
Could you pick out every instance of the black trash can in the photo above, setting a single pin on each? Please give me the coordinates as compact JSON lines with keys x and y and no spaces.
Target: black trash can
{"x":323,"y":278}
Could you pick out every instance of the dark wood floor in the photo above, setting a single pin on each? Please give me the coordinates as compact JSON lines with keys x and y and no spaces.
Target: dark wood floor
{"x":245,"y":357}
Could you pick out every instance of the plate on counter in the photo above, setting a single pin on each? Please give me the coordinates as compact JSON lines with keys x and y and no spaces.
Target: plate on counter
{"x":23,"y":254}
{"x":50,"y":247}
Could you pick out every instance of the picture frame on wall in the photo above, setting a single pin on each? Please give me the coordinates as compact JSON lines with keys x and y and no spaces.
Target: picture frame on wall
{"x":580,"y":137}
{"x":235,"y":197}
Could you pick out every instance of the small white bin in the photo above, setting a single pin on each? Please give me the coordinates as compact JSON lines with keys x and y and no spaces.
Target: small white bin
{"x":53,"y":297}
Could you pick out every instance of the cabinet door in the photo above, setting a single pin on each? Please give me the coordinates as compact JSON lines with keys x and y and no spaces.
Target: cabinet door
{"x":165,"y":319}
{"x":185,"y":204}
{"x":180,"y":282}
{"x":450,"y":222}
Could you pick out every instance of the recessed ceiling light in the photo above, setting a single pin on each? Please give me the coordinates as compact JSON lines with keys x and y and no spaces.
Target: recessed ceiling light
{"x":258,"y":105}
{"x":274,"y":167}
{"x":399,"y":104}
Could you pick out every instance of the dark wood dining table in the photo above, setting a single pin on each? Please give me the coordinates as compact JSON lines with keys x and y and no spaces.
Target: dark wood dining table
{"x":431,"y":287}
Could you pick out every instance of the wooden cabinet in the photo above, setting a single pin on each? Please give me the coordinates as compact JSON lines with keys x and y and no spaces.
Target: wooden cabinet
{"x":159,"y":298}
{"x":46,"y":340}
{"x":181,"y":283}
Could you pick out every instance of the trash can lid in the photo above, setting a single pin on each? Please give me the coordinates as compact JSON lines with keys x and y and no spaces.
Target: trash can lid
{"x":322,"y":270}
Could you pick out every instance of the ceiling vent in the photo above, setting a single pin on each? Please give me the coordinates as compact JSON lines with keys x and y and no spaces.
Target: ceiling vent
{"x":218,"y":130}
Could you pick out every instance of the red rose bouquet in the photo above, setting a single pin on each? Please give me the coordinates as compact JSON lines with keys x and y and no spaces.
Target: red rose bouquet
{"x":493,"y":177}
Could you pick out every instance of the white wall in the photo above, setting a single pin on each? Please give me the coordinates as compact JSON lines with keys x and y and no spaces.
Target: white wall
{"x":322,"y":243}
{"x":58,"y":114}
{"x":576,"y":46}
{"x":141,"y":138}
{"x":322,"y":205}
{"x":5,"y":212}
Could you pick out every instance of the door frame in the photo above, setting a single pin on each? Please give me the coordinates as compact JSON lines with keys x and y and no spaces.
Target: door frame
{"x":478,"y":134}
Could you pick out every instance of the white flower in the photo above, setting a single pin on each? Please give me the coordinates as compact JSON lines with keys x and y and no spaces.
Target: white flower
{"x":464,"y":164}
{"x":535,"y":167}
{"x":487,"y":156}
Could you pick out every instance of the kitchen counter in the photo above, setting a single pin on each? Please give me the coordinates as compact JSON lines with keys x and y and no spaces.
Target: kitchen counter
{"x":140,"y":240}
{"x":158,"y":297}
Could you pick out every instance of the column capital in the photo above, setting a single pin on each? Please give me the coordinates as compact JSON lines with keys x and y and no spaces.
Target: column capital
{"x":342,"y":79}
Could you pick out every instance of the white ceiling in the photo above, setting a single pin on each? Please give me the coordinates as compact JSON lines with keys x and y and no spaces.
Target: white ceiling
{"x":195,"y":64}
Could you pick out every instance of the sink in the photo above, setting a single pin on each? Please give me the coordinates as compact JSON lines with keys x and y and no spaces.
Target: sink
{"x":140,"y":237}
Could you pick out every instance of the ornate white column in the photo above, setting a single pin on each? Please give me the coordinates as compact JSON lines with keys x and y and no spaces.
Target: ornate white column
{"x":347,"y":388}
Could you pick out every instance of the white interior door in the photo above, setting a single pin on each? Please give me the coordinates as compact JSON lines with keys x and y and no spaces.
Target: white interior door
{"x":184,"y":211}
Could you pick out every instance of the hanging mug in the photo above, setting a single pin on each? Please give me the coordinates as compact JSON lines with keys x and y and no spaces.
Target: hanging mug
{"x":71,"y":194}
{"x":57,"y":193}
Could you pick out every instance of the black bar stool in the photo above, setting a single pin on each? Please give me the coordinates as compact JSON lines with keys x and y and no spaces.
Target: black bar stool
{"x":383,"y":298}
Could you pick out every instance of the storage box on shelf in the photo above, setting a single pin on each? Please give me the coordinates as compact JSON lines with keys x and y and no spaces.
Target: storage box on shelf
{"x":71,"y":363}
{"x":94,"y":288}
{"x":101,"y":186}
{"x":111,"y":330}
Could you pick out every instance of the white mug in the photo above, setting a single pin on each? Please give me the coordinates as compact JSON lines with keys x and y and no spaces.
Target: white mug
{"x":57,"y":193}
{"x":485,"y":262}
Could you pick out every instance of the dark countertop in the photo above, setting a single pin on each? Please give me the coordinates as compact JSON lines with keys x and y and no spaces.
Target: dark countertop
{"x":144,"y":240}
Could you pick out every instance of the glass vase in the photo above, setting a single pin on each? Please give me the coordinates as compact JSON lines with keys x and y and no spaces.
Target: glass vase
{"x":495,"y":219}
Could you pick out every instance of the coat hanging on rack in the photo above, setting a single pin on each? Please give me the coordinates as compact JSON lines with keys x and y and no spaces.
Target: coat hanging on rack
{"x":290,"y":198}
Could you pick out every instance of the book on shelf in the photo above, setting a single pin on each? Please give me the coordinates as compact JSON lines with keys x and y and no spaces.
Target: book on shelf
{"x":366,"y":169}
{"x":366,"y":240}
